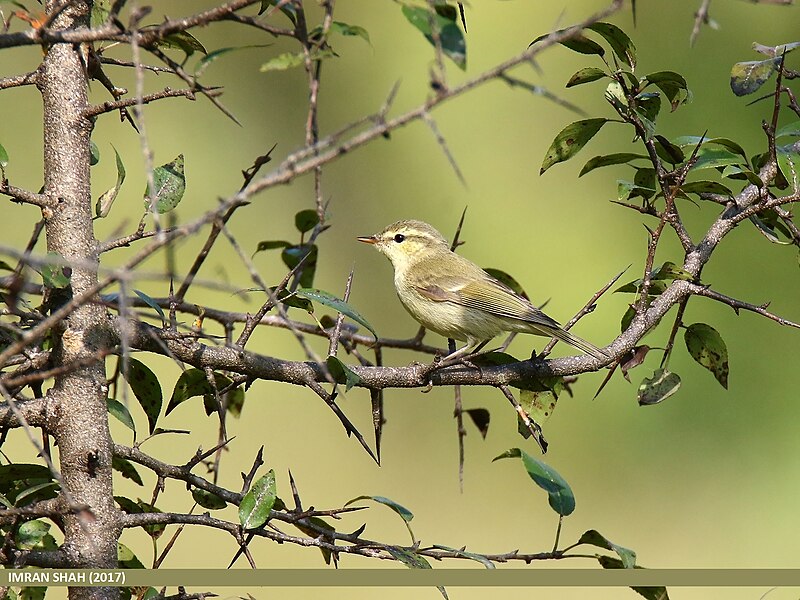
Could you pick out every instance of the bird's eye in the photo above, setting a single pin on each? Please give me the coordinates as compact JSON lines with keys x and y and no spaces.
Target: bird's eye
{"x":399,"y":238}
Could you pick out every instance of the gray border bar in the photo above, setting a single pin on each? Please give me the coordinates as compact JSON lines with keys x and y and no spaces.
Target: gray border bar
{"x":529,"y":577}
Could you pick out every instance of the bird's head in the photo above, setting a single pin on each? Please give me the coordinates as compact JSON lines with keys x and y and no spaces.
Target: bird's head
{"x":406,"y":242}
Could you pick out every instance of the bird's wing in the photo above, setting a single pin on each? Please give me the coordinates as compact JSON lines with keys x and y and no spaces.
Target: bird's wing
{"x":486,"y":294}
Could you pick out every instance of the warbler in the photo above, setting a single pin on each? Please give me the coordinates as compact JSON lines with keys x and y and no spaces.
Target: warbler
{"x":454,"y":297}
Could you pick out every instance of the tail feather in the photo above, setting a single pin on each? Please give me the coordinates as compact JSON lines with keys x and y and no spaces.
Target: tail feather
{"x":579,"y":343}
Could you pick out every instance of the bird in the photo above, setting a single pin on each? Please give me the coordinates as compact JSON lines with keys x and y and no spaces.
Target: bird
{"x":452,"y":296}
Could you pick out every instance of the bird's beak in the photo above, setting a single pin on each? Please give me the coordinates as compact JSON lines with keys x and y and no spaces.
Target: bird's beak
{"x":368,"y":239}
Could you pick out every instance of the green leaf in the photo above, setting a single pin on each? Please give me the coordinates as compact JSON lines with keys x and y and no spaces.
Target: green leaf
{"x":342,"y":29}
{"x":192,"y":383}
{"x":211,"y":57}
{"x":659,"y":387}
{"x":625,"y":322}
{"x":31,"y":534}
{"x":570,"y":140}
{"x":292,"y":256}
{"x":507,"y":280}
{"x":24,"y":474}
{"x":409,"y":558}
{"x":644,"y":178}
{"x":711,"y":158}
{"x":667,"y":151}
{"x":454,"y":46}
{"x":287,"y":8}
{"x":145,"y":386}
{"x":289,"y":299}
{"x":769,"y":224}
{"x":106,"y":199}
{"x":283,"y":62}
{"x":169,"y":185}
{"x":342,"y":373}
{"x":180,"y":40}
{"x":747,"y":77}
{"x":617,"y":96}
{"x":412,"y":560}
{"x":620,"y":43}
{"x":737,"y":172}
{"x":577,"y":43}
{"x":707,"y":347}
{"x":100,"y":13}
{"x":35,"y":493}
{"x":127,"y":469}
{"x":335,"y":303}
{"x":775,"y":50}
{"x":32,"y":592}
{"x":256,"y":504}
{"x":669,"y":271}
{"x":672,"y":84}
{"x":594,"y":538}
{"x":404,"y":513}
{"x":788,"y":130}
{"x":152,"y":304}
{"x":789,"y":163}
{"x":208,"y":500}
{"x":586,"y":75}
{"x":656,"y":287}
{"x":306,"y":220}
{"x":649,"y":593}
{"x":693,"y":140}
{"x":3,"y":157}
{"x":706,"y":187}
{"x":648,"y":107}
{"x":538,"y":404}
{"x":471,"y":555}
{"x":314,"y":531}
{"x":606,"y":160}
{"x":55,"y":273}
{"x":235,"y":401}
{"x":560,"y":495}
{"x":94,"y":154}
{"x":126,"y":558}
{"x":628,"y":189}
{"x":272,"y":245}
{"x":154,"y":531}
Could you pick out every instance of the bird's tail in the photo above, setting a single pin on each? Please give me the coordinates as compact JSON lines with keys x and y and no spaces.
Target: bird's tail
{"x":579,"y":343}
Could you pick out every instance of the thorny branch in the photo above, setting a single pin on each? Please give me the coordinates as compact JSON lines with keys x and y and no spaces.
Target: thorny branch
{"x":191,"y":349}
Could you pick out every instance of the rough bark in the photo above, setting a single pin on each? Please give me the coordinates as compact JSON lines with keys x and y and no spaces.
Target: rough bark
{"x":79,"y":422}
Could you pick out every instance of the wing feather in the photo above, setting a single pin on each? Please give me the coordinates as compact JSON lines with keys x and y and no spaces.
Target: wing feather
{"x":486,"y":294}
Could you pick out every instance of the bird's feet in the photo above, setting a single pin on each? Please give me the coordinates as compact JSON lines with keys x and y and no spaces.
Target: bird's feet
{"x":439,"y":362}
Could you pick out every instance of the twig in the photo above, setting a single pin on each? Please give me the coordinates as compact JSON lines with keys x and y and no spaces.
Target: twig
{"x":26,"y":197}
{"x":538,"y":90}
{"x":31,"y":78}
{"x":736,"y":305}
{"x":587,"y":308}
{"x":330,"y":400}
{"x":532,"y":426}
{"x":337,"y":330}
{"x":272,"y":296}
{"x":676,"y":325}
{"x":700,"y":19}
{"x":109,"y":106}
{"x":443,"y":145}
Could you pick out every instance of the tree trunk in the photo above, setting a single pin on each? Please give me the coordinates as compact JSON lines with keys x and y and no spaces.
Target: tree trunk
{"x":80,"y":422}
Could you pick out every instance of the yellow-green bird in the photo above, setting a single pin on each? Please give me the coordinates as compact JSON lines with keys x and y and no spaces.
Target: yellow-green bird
{"x":454,"y":297}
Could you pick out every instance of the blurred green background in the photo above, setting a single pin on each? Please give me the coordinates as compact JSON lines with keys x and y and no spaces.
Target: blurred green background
{"x":710,"y":478}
